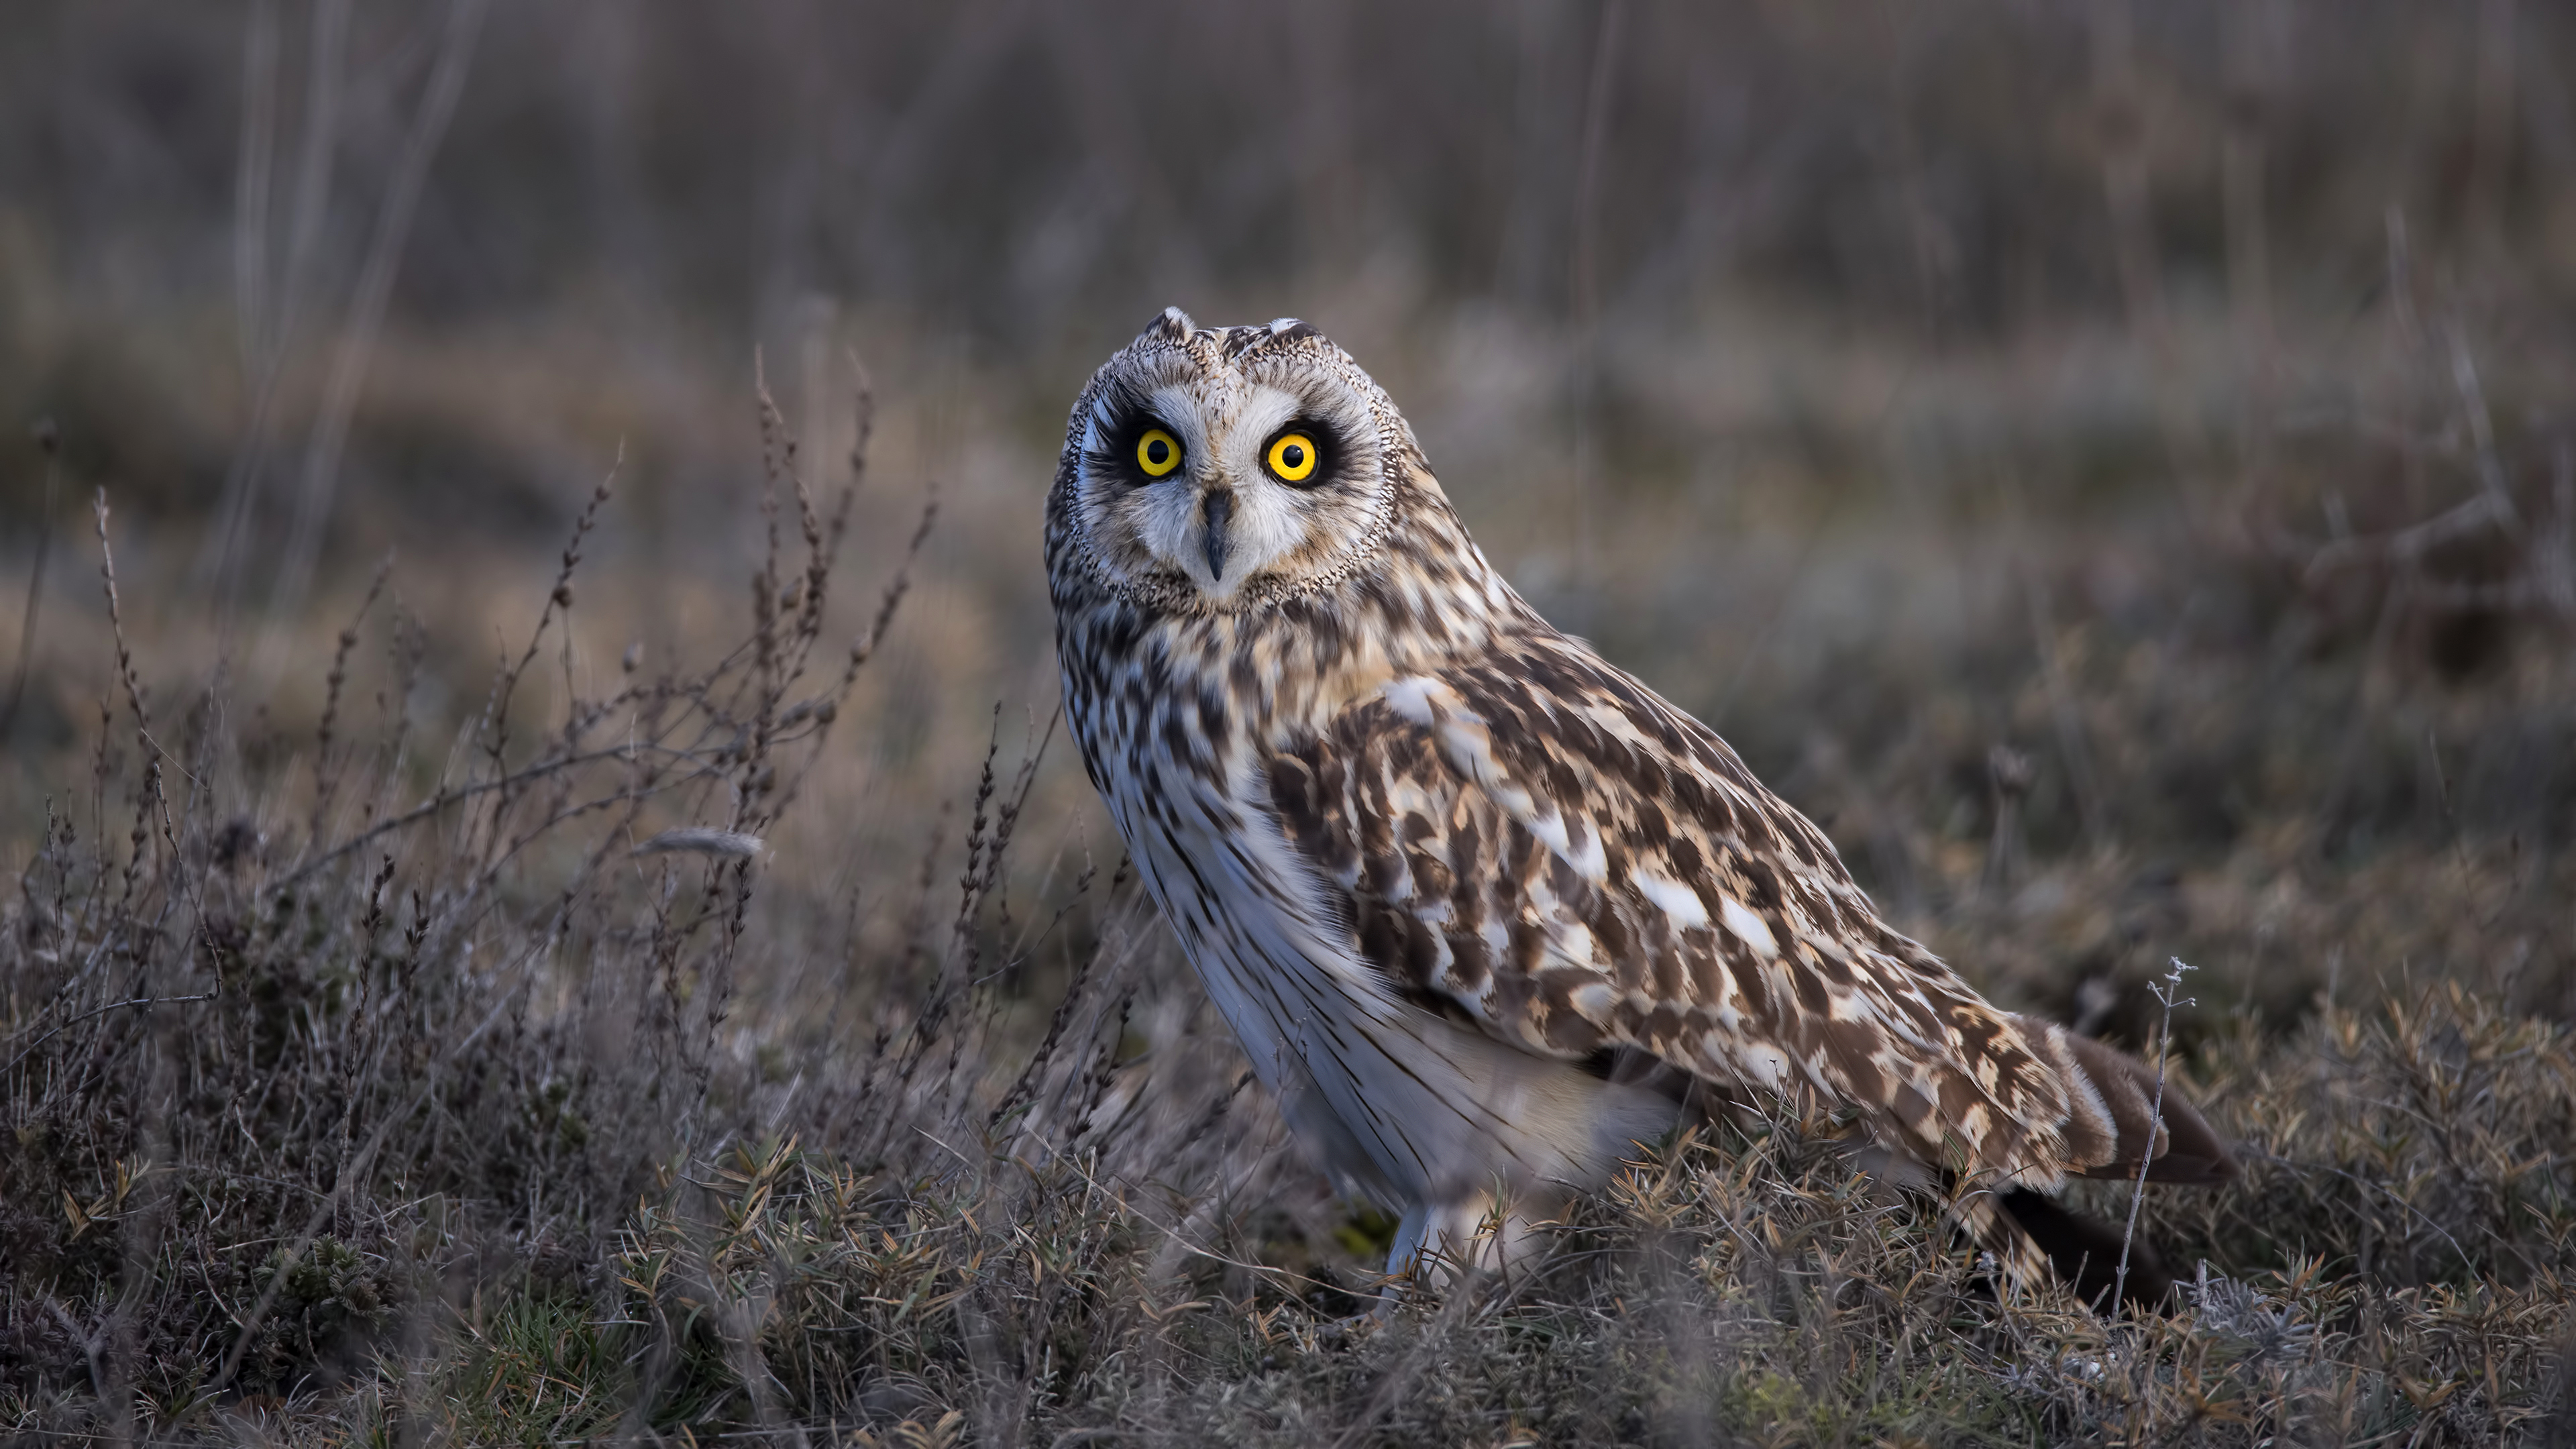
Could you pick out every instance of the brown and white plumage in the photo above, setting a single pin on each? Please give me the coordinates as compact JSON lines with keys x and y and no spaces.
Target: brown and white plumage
{"x":1443,"y":868}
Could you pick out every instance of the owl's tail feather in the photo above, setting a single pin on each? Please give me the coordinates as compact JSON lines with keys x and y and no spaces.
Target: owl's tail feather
{"x":2115,"y":1126}
{"x":2084,"y":1252}
{"x":2033,"y":1237}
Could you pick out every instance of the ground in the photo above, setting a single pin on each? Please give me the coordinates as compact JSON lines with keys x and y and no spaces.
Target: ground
{"x":2113,"y":472}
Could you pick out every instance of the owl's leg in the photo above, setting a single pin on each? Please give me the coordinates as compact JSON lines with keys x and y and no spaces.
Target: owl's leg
{"x":1403,"y":1259}
{"x":1406,"y":1252}
{"x":1468,"y":1235}
{"x":1437,"y":1245}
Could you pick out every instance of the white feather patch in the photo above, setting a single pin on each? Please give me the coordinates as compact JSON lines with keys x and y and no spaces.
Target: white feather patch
{"x":1592,"y":1001}
{"x":1671,"y":897}
{"x":1549,"y":828}
{"x":1615,"y":723}
{"x":1410,"y":697}
{"x":1589,"y":859}
{"x":1571,"y":945}
{"x":1748,"y":927}
{"x":1764,"y":1064}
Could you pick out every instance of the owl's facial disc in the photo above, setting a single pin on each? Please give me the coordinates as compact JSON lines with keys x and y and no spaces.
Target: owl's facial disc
{"x":1226,"y":482}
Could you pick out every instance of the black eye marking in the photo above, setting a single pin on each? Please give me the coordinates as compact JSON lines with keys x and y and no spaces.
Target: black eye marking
{"x":1132,"y":447}
{"x":1301,"y":455}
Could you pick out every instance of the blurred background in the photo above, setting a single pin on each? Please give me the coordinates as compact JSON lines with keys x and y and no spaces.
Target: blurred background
{"x":2110,"y":463}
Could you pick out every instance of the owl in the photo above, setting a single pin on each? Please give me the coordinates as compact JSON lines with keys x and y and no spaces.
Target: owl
{"x":1485,"y":910}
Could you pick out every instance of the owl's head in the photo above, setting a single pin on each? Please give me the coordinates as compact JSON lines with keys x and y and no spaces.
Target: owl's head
{"x":1224,"y":469}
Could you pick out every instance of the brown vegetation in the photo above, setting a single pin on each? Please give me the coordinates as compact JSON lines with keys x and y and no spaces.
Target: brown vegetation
{"x":2113,"y":469}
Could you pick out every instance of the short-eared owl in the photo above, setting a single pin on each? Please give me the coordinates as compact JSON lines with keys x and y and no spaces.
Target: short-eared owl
{"x":1476,"y":900}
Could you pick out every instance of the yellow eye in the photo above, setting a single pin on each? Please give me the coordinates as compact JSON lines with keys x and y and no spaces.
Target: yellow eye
{"x":1292,"y":457}
{"x":1157,"y":452}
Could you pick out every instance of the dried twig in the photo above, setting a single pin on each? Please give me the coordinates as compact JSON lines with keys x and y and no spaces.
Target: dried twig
{"x":2165,"y":992}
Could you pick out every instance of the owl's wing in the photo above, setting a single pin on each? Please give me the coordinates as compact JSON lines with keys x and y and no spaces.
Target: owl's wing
{"x":1541,"y":843}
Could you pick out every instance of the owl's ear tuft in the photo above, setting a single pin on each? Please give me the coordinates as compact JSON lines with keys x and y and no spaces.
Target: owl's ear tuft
{"x":1173,"y":326}
{"x":1289,"y":329}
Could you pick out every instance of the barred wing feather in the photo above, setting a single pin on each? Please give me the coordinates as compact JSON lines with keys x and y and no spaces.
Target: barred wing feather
{"x":1539,"y":843}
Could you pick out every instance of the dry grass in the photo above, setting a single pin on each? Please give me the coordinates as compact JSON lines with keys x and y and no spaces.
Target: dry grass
{"x":349,"y":1097}
{"x":2111,"y":465}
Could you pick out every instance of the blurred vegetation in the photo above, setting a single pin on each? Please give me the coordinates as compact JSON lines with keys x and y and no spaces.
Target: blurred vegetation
{"x":2111,"y":464}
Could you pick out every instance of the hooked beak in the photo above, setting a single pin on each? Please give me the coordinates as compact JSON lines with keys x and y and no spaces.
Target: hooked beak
{"x":1219,"y":509}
